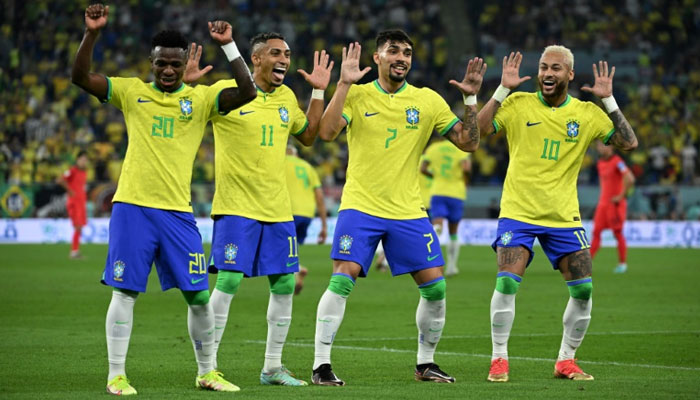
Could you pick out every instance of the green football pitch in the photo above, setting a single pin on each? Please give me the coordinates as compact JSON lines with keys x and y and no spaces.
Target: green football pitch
{"x":643,"y":342}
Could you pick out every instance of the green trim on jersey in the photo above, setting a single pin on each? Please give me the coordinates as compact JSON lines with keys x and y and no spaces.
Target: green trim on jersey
{"x":346,"y":118}
{"x":381,"y":89}
{"x":109,"y":91}
{"x":567,"y":101}
{"x":449,"y":126}
{"x":608,"y":136}
{"x":303,"y":128}
{"x":495,"y":127}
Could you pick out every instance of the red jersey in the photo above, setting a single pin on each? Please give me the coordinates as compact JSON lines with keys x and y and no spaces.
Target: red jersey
{"x":76,"y":178}
{"x":610,"y":173}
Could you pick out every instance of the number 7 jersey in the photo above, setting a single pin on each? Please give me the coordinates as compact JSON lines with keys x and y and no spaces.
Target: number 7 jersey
{"x":386,"y":135}
{"x":546,"y":147}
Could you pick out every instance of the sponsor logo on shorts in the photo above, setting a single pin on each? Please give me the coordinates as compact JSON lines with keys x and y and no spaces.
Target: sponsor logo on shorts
{"x":230,"y":253}
{"x":506,"y":238}
{"x":118,"y":267}
{"x":345,"y":244}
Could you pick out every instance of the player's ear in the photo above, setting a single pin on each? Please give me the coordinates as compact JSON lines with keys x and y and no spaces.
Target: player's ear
{"x":571,"y":75}
{"x":375,"y":57}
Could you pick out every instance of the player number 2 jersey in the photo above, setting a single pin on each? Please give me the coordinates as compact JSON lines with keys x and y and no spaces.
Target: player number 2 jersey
{"x":546,"y":146}
{"x":446,"y":164}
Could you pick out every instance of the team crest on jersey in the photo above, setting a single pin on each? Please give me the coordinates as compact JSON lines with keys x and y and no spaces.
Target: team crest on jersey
{"x":230,"y":253}
{"x":506,"y":238}
{"x":185,"y":108}
{"x":118,"y":267}
{"x":284,"y":114}
{"x":572,"y":127}
{"x":345,"y":244}
{"x":412,"y":117}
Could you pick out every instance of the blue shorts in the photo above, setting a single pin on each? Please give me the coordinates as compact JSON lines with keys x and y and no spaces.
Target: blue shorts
{"x":446,"y":207}
{"x":302,"y":225}
{"x":556,"y":242}
{"x":410,"y":245}
{"x":253,"y":247}
{"x":140,"y":236}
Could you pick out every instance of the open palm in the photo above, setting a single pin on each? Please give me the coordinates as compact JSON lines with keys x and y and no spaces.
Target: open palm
{"x":320,"y":76}
{"x":510,"y":77}
{"x":602,"y":87}
{"x":350,"y":67}
{"x":473,"y":77}
{"x":192,"y":71}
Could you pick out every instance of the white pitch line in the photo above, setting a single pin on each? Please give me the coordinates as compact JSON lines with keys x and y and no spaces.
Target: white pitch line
{"x":451,"y":353}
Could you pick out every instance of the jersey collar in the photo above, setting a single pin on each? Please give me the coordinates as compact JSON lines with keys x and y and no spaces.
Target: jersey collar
{"x":182,"y":86}
{"x":381,"y":89}
{"x":567,"y":101}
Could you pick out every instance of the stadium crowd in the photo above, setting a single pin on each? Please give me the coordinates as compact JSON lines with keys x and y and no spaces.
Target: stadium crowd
{"x":45,"y":121}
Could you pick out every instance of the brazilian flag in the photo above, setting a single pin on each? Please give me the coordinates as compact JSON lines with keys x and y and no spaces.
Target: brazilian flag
{"x":16,"y":201}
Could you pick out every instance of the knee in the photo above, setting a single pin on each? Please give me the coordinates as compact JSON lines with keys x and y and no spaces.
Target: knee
{"x":341,"y":284}
{"x":508,"y":282}
{"x":199,"y":298}
{"x":581,"y":289}
{"x":228,"y":281}
{"x":434,"y":290}
{"x":282,"y":283}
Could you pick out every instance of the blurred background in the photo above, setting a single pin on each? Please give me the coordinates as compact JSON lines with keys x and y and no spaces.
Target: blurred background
{"x":45,"y":120}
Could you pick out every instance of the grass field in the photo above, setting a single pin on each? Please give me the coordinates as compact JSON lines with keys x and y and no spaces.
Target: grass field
{"x":643,"y":341}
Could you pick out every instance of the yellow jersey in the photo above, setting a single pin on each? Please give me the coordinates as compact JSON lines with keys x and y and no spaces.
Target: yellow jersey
{"x":386,"y":135}
{"x":164,"y":131}
{"x":546,"y":147}
{"x":424,"y":183}
{"x":448,"y":175}
{"x":302,"y":182}
{"x":250,"y":151}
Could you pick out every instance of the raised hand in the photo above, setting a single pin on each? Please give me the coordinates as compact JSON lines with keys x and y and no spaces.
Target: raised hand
{"x":321,"y":74}
{"x":510,"y":77}
{"x":471,"y":83}
{"x":602,"y":87}
{"x":350,"y":67}
{"x":96,"y":17}
{"x":192,"y":71}
{"x":221,"y":32}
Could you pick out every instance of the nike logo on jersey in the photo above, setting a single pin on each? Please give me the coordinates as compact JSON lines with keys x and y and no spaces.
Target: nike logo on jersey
{"x":196,"y":281}
{"x":533,"y":123}
{"x":371,"y":114}
{"x":140,"y":100}
{"x":289,"y":264}
{"x":245,"y":112}
{"x":431,"y":258}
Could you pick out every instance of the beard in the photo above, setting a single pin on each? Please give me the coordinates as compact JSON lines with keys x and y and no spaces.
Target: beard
{"x":559,"y":89}
{"x":396,"y":78}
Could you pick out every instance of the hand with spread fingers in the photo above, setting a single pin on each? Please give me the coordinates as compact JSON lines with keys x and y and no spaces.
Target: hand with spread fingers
{"x":350,"y":67}
{"x":192,"y":71}
{"x":320,"y":76}
{"x":602,"y":87}
{"x":473,"y":77}
{"x":510,"y":77}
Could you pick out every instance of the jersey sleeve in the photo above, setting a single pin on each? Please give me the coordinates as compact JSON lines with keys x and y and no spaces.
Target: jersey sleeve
{"x":299,"y":121}
{"x":620,"y":165}
{"x":445,"y":119}
{"x":349,"y":102}
{"x":504,"y":113}
{"x":603,"y":127}
{"x":213,"y":93}
{"x":117,"y":90}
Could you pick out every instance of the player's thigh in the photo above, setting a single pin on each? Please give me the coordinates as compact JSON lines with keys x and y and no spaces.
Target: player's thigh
{"x":411,"y":245}
{"x":180,"y":261}
{"x":576,"y":265}
{"x":561,"y":243}
{"x":618,"y":215}
{"x":301,"y":225}
{"x":356,"y":237}
{"x":235,"y":242}
{"x":278,"y":251}
{"x":513,"y":245}
{"x":439,"y":207}
{"x":455,"y":209}
{"x":133,"y":243}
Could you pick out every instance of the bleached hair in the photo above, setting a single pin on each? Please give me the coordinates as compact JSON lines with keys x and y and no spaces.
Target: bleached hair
{"x":555,"y":48}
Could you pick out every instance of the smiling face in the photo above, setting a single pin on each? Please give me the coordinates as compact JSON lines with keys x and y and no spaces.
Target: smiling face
{"x":168,"y":66}
{"x":393,"y":60}
{"x":270,"y":63}
{"x":554,"y":76}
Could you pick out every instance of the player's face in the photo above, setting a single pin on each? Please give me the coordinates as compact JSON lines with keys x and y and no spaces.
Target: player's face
{"x":554,"y":75}
{"x":393,"y":60}
{"x":604,"y":151}
{"x":168,"y":65}
{"x":82,"y":162}
{"x":271,"y":62}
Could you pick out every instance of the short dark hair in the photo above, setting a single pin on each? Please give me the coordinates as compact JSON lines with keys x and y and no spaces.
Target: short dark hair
{"x":169,"y":38}
{"x":263,"y":38}
{"x":81,"y":153}
{"x":393,"y":35}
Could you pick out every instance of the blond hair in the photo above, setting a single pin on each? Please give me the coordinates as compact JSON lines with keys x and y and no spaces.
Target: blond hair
{"x":555,"y":48}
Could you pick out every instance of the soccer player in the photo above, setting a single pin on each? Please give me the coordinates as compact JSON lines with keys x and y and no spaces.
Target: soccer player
{"x":450,"y":172}
{"x":615,"y":181}
{"x":306,"y":195}
{"x":73,"y":181}
{"x":548,"y":133}
{"x":388,"y":124}
{"x":152,"y":218}
{"x":254,"y":232}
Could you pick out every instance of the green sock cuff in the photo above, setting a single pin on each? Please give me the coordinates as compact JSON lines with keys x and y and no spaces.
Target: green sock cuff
{"x":581,"y":289}
{"x":228,"y":281}
{"x":433,"y":291}
{"x":281,"y":283}
{"x":453,"y":237}
{"x":507,"y":283}
{"x":193,"y":298}
{"x":341,"y":284}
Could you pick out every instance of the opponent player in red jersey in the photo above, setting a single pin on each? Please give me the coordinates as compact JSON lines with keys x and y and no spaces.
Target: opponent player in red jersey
{"x":73,"y":181}
{"x":615,"y":181}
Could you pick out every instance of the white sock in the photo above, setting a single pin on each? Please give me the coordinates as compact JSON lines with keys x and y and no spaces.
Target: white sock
{"x":119,"y":321}
{"x":452,"y":256}
{"x":577,"y":316}
{"x":329,"y":315}
{"x":502,"y":315}
{"x":200,"y":323}
{"x":430,"y":318}
{"x":220,"y":303}
{"x":279,"y":316}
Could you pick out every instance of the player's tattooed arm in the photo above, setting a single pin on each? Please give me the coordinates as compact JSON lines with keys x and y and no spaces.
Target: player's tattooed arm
{"x":95,"y":84}
{"x":624,"y":137}
{"x":466,"y":135}
{"x":576,"y":265}
{"x":233,"y":98}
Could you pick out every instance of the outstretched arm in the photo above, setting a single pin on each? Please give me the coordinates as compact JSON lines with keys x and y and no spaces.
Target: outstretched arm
{"x":624,"y":137}
{"x":319,"y":78}
{"x":232,"y":98}
{"x":95,"y":84}
{"x":465,"y":135}
{"x":510,"y":79}
{"x":332,"y":121}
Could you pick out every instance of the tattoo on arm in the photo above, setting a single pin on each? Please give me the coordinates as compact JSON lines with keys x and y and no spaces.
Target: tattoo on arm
{"x":580,"y":264}
{"x":471,"y":125}
{"x":624,"y":137}
{"x":465,"y":136}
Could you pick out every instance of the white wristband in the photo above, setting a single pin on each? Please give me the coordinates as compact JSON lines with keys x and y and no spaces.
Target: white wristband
{"x":317,"y":94}
{"x":500,"y":94}
{"x":469,"y":100}
{"x":231,"y":51}
{"x":610,"y":104}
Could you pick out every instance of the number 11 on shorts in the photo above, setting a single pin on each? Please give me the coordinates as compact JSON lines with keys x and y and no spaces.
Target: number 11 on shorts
{"x":581,"y":236}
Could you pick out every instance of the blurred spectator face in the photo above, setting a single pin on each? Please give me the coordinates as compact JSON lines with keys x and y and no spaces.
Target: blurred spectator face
{"x":82,"y":161}
{"x":393,"y":60}
{"x":271,"y":62}
{"x":554,"y":75}
{"x":168,"y":66}
{"x":604,"y":151}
